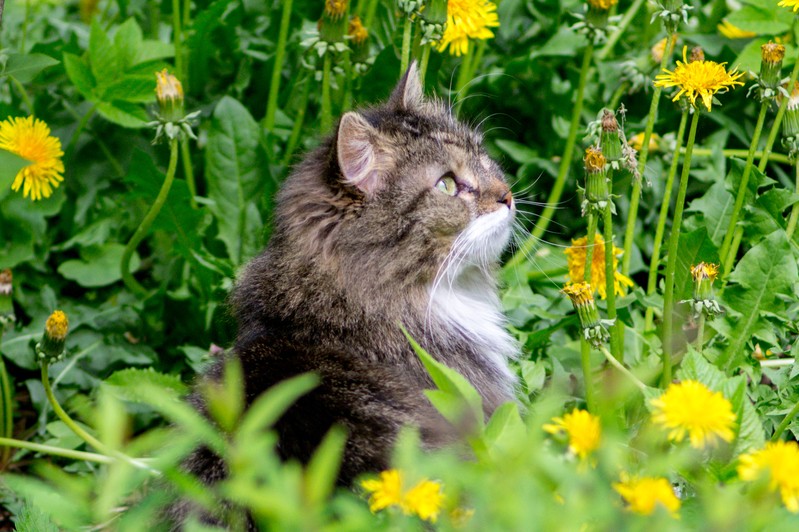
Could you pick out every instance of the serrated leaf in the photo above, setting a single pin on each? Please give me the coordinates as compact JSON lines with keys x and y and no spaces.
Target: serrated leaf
{"x":761,"y":19}
{"x":25,"y":67}
{"x":716,"y":209}
{"x":33,"y":519}
{"x":127,"y":41}
{"x":103,"y":58}
{"x":80,"y":74}
{"x":129,"y":383}
{"x":695,"y":367}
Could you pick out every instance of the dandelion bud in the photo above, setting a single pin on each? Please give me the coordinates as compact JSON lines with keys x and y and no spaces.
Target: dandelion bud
{"x":697,"y":54}
{"x":769,"y":80}
{"x":610,"y":140}
{"x":704,"y":302}
{"x":597,"y":194}
{"x":671,"y":12}
{"x":334,"y":24}
{"x":51,"y":348}
{"x":6,"y":304}
{"x":169,"y":93}
{"x":357,"y":32}
{"x":335,"y":9}
{"x":432,"y":21}
{"x":790,"y":124}
{"x":582,"y":297}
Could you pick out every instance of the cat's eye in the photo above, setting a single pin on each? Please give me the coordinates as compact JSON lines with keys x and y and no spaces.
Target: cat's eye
{"x":447,"y":185}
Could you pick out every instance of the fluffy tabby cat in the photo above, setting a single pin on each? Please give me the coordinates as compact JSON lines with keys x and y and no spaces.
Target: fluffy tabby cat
{"x":400,"y":216}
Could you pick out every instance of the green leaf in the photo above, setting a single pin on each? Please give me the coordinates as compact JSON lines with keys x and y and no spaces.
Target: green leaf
{"x":322,"y":469}
{"x":151,"y":50}
{"x":127,"y":41}
{"x":33,"y":519}
{"x":273,"y":403}
{"x":103,"y":57}
{"x":233,"y":158}
{"x":138,"y":89}
{"x":25,"y":67}
{"x":505,"y":430}
{"x":565,"y":43}
{"x":520,"y":153}
{"x":10,"y":165}
{"x":98,"y":265}
{"x":80,"y":74}
{"x":715,"y":208}
{"x":761,"y":17}
{"x":129,"y":383}
{"x":766,"y":215}
{"x":765,"y":273}
{"x":695,"y":367}
{"x":124,"y":114}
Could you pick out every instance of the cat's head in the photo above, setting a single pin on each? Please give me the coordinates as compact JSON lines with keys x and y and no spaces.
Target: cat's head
{"x":412,"y":187}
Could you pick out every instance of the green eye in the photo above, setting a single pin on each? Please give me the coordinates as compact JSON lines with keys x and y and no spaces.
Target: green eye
{"x":447,"y":185}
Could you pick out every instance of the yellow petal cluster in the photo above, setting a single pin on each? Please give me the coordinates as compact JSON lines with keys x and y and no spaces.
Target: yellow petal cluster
{"x":30,"y":139}
{"x":357,"y":31}
{"x":637,"y":142}
{"x":467,"y":19}
{"x":643,"y":494}
{"x":57,"y":325}
{"x":690,"y":408}
{"x":580,"y":293}
{"x":734,"y":32}
{"x":576,"y":254}
{"x":582,"y":428}
{"x":779,"y":462}
{"x":425,"y":499}
{"x":792,"y":4}
{"x":698,"y":78}
{"x":335,"y":8}
{"x":602,"y":5}
{"x":704,"y":271}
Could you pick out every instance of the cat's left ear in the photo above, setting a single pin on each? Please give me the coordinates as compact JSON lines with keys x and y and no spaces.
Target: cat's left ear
{"x":409,"y":93}
{"x":357,"y":154}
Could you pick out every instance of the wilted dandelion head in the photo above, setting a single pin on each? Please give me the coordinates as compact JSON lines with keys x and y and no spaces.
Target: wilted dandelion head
{"x":335,"y":9}
{"x":579,"y":293}
{"x":30,"y":139}
{"x":705,"y":271}
{"x":698,"y":78}
{"x":691,"y":408}
{"x":779,"y":462}
{"x":643,"y":494}
{"x":772,"y":53}
{"x":576,"y":256}
{"x":467,"y":19}
{"x":357,"y":31}
{"x":582,"y":428}
{"x":168,"y":89}
{"x":732,"y":31}
{"x":594,"y":161}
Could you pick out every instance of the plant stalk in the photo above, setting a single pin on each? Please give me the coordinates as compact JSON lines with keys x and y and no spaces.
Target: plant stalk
{"x":785,"y":422}
{"x":277,"y":69}
{"x":795,"y":209}
{"x":407,"y":32}
{"x":775,"y":127}
{"x":610,"y":279}
{"x":700,"y":332}
{"x":178,"y":38}
{"x":298,"y":122}
{"x":618,"y":365}
{"x":423,"y":62}
{"x":8,"y":443}
{"x":7,"y":411}
{"x":327,"y":111}
{"x":188,"y":171}
{"x":585,"y":347}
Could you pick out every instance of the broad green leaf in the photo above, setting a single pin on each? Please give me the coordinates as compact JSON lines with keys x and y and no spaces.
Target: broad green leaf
{"x":123,"y":113}
{"x":505,"y":430}
{"x":98,"y":265}
{"x":715,"y":207}
{"x":761,"y":18}
{"x":128,"y":383}
{"x":233,"y":158}
{"x":322,"y":470}
{"x":518,"y":152}
{"x":151,"y":50}
{"x":25,"y":67}
{"x":10,"y":165}
{"x":766,"y":215}
{"x":695,"y":367}
{"x":693,"y":248}
{"x":103,"y":57}
{"x":136,"y":89}
{"x":80,"y":74}
{"x":765,"y":274}
{"x":57,"y":503}
{"x":127,"y":41}
{"x":564,"y":43}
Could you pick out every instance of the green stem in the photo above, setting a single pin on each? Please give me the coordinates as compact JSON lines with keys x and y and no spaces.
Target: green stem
{"x":298,"y":121}
{"x":775,"y":127}
{"x":371,"y":9}
{"x":25,"y":25}
{"x":463,"y":78}
{"x":406,"y":45}
{"x":776,"y":157}
{"x":795,"y":209}
{"x":635,"y":196}
{"x":671,"y":264}
{"x":590,"y":237}
{"x":616,"y":364}
{"x":700,"y":332}
{"x":277,"y":69}
{"x":188,"y":171}
{"x":785,"y":422}
{"x":6,"y":412}
{"x":565,"y":163}
{"x":73,"y":141}
{"x":132,"y":284}
{"x":610,"y":278}
{"x":480,"y":49}
{"x":178,"y":38}
{"x":654,"y":263}
{"x":742,"y":190}
{"x":616,"y":97}
{"x":625,"y":22}
{"x":585,"y":348}
{"x":8,"y":443}
{"x":22,"y":94}
{"x":327,"y":112}
{"x":186,"y":13}
{"x":423,"y":63}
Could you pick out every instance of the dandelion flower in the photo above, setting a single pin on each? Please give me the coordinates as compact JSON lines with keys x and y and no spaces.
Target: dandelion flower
{"x":780,"y":462}
{"x":643,"y":494}
{"x":30,"y":139}
{"x":698,"y":78}
{"x":575,"y":256}
{"x":467,"y":19}
{"x":731,"y":31}
{"x":385,"y":491}
{"x":357,"y":32}
{"x":582,"y":428}
{"x":637,"y":142}
{"x":425,"y":500}
{"x":602,"y":5}
{"x":705,"y":271}
{"x":691,"y":408}
{"x":793,"y":4}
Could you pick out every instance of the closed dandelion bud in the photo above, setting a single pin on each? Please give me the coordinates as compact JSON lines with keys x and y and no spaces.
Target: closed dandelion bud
{"x":333,"y":25}
{"x":704,"y":302}
{"x":596,"y":181}
{"x":169,"y":93}
{"x":6,"y":304}
{"x":610,"y":140}
{"x":790,"y":124}
{"x":432,"y":21}
{"x":582,"y":298}
{"x":671,"y":12}
{"x":51,"y":348}
{"x":768,"y":82}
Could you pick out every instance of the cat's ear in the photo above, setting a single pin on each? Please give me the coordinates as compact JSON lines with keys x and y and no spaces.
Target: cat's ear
{"x":409,"y":93}
{"x":357,"y":158}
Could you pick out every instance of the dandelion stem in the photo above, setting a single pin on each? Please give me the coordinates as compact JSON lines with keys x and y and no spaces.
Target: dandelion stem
{"x":726,"y":245}
{"x":625,"y":22}
{"x":585,"y":348}
{"x":700,"y":332}
{"x":9,"y":443}
{"x":635,"y":195}
{"x":706,"y":152}
{"x":616,"y":97}
{"x":327,"y":112}
{"x":590,"y":237}
{"x":795,"y":209}
{"x":277,"y":69}
{"x":565,"y":163}
{"x":132,"y":284}
{"x":671,"y":264}
{"x":423,"y":63}
{"x":177,"y":36}
{"x":480,"y":49}
{"x":654,"y":262}
{"x":23,"y":94}
{"x":463,"y":78}
{"x":407,"y":32}
{"x":369,"y":12}
{"x":618,"y":365}
{"x":6,"y":412}
{"x":188,"y":171}
{"x":298,"y":122}
{"x":610,"y":277}
{"x":785,"y":422}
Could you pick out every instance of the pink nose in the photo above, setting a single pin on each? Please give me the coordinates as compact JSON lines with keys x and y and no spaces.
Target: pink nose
{"x":507,"y":199}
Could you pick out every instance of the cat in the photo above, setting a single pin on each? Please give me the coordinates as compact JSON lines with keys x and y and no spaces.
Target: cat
{"x":399,"y":216}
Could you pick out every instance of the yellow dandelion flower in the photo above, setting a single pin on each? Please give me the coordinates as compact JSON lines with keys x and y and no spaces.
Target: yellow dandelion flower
{"x":792,"y":4}
{"x":57,"y":325}
{"x":575,"y":255}
{"x":335,"y":8}
{"x":734,"y":32}
{"x":425,"y":500}
{"x":691,"y":408}
{"x":467,"y":19}
{"x":637,"y":141}
{"x":385,"y":491}
{"x":779,"y":462}
{"x":30,"y":139}
{"x":582,"y":428}
{"x":357,"y":31}
{"x":698,"y":78}
{"x":602,"y":5}
{"x":704,"y":271}
{"x":643,"y":494}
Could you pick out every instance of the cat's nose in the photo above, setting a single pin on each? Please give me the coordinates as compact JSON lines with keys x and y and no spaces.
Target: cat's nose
{"x":507,"y":199}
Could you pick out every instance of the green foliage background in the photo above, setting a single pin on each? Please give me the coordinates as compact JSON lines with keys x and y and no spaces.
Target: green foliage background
{"x":91,"y":78}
